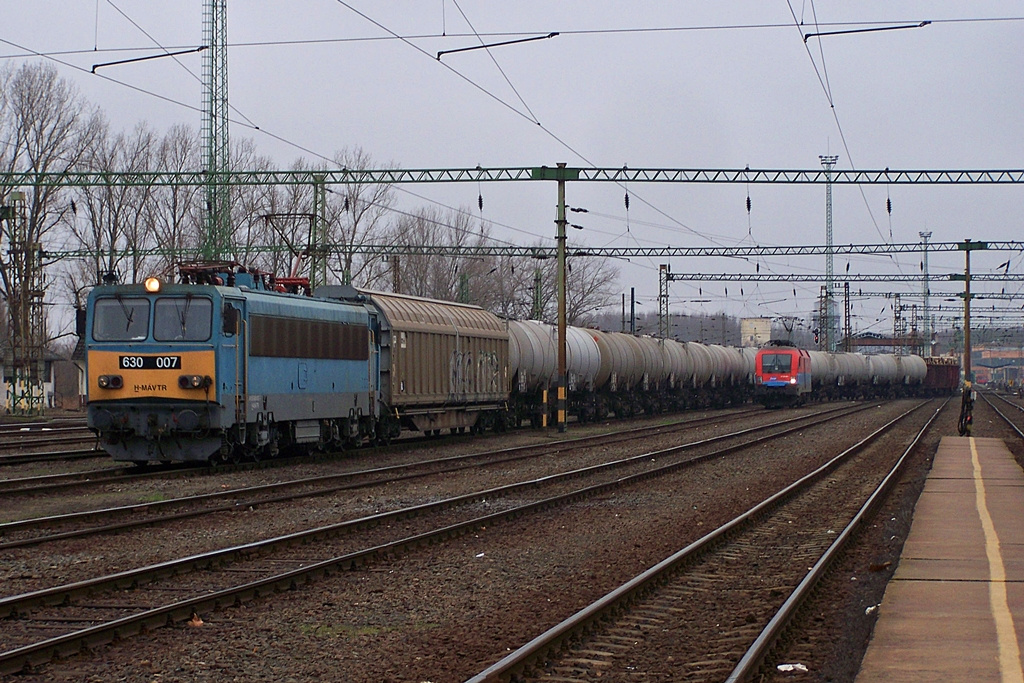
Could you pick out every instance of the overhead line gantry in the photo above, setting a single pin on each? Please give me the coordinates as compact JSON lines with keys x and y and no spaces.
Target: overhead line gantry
{"x":524,"y":173}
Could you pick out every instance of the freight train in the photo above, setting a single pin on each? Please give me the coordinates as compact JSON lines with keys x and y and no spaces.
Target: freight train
{"x":229,"y":364}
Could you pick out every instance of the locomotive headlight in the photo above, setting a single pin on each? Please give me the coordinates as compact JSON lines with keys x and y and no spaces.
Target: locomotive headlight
{"x":194,"y":381}
{"x":152,"y":285}
{"x":110,"y":381}
{"x":792,"y":380}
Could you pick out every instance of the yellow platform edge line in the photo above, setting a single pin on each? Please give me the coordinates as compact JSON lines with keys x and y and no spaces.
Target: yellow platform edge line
{"x":1009,"y":652}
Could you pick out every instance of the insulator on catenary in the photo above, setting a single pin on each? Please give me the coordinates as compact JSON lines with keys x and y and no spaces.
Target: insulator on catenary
{"x":888,"y":204}
{"x":480,"y":201}
{"x":748,"y":203}
{"x":627,"y":201}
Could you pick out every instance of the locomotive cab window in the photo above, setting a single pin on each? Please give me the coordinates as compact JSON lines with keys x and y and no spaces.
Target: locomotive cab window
{"x":777,"y":362}
{"x":120,"y":319}
{"x":185,"y":318}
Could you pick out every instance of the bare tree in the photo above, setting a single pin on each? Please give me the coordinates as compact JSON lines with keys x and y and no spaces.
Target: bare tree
{"x":590,"y":287}
{"x":45,"y":127}
{"x":177,"y":210}
{"x":248,"y":205}
{"x":115,"y":222}
{"x":357,"y":216}
{"x":460,"y":278}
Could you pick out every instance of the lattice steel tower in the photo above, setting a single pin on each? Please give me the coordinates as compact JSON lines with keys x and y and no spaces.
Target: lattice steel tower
{"x":926,"y":308}
{"x":217,"y":152}
{"x":829,"y":324}
{"x":25,"y":366}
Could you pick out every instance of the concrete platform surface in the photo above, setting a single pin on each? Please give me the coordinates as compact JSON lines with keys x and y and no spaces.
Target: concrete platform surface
{"x":952,"y":609}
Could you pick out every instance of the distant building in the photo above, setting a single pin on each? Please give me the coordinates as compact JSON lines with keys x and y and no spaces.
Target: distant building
{"x":755,"y":332}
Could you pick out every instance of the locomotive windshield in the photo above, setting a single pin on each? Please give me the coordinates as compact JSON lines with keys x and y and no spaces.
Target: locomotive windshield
{"x":185,"y":318}
{"x":777,"y":362}
{"x":120,"y":319}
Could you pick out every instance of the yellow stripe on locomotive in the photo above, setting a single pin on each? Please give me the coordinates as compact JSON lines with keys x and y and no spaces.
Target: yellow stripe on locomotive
{"x":119,"y":375}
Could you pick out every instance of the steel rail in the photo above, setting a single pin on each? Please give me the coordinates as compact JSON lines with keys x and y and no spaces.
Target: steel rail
{"x":28,"y":458}
{"x":59,"y":423}
{"x":448,"y":464}
{"x":38,"y":653}
{"x":753,"y":658}
{"x":73,"y":479}
{"x":573,"y":627}
{"x":1000,"y":413}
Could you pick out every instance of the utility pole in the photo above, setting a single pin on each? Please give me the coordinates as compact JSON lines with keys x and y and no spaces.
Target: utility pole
{"x":216,"y":150}
{"x":899,"y":326}
{"x":560,"y":237}
{"x":847,"y":319}
{"x":925,"y":236}
{"x":537,"y":313}
{"x":318,"y":235}
{"x":967,"y":402}
{"x":663,"y":321}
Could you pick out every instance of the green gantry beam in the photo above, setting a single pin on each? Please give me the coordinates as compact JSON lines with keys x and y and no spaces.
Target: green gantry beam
{"x":758,"y":277}
{"x":542,"y":173}
{"x":549,"y":252}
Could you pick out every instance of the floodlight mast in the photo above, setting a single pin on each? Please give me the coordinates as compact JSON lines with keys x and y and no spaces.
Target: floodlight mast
{"x":216,"y":149}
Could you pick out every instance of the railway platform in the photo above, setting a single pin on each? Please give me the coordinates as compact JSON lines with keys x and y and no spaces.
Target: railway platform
{"x":954,"y":610}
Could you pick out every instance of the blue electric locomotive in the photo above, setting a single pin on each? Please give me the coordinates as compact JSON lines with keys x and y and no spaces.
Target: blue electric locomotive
{"x":221,"y":367}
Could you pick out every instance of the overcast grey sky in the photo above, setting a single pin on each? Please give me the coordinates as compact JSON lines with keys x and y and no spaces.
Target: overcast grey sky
{"x":734,"y":85}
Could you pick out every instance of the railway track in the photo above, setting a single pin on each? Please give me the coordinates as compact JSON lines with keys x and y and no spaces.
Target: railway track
{"x":64,"y":481}
{"x":714,"y":610}
{"x":39,"y":425}
{"x":52,"y":456}
{"x":102,"y":609}
{"x":1014,"y":415}
{"x":15,"y":439}
{"x":88,"y":522}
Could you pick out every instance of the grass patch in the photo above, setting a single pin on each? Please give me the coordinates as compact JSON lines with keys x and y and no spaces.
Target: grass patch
{"x":153,"y":497}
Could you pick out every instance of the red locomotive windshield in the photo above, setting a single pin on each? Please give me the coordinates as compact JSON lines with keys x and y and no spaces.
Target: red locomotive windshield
{"x":780,"y":363}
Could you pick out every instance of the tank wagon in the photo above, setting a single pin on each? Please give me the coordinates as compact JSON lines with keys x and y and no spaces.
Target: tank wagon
{"x":786,"y":375}
{"x":614,"y":373}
